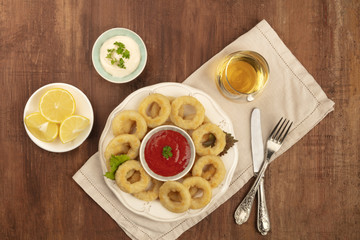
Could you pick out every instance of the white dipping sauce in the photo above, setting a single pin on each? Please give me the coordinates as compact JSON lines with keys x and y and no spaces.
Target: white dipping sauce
{"x":131,"y":64}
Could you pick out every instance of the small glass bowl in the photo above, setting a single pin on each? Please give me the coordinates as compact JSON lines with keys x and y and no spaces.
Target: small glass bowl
{"x":142,"y":151}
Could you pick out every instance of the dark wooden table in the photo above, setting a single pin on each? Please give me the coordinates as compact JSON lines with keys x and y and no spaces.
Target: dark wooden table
{"x":312,"y":190}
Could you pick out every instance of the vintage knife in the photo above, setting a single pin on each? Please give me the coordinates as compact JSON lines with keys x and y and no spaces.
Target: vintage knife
{"x":257,"y":148}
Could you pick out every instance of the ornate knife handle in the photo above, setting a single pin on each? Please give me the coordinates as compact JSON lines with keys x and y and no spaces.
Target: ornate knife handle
{"x":263,"y":220}
{"x":242,"y":212}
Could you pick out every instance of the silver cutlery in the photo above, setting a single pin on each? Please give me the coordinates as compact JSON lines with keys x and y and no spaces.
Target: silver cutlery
{"x":257,"y":149}
{"x":273,"y":144}
{"x":263,"y":220}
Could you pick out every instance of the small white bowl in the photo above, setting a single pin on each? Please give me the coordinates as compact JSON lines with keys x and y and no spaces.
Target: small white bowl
{"x":96,"y":54}
{"x":83,"y":107}
{"x":146,"y":139}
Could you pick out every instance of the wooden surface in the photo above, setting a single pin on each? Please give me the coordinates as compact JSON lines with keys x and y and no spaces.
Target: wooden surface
{"x":312,"y":190}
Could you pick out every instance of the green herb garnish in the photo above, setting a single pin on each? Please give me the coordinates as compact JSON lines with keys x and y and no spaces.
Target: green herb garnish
{"x":121,"y":63}
{"x":210,"y":142}
{"x":229,"y":139}
{"x":115,"y":162}
{"x":166,"y":152}
{"x":126,"y":54}
{"x":121,"y":51}
{"x":119,"y":44}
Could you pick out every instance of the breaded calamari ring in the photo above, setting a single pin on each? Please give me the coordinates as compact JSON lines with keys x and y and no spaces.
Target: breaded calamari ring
{"x":175,"y":196}
{"x":208,"y":173}
{"x":154,"y":110}
{"x":220,"y":139}
{"x":163,"y":113}
{"x":173,"y":206}
{"x":127,"y":121}
{"x":122,"y":173}
{"x":123,"y":144}
{"x":199,"y":183}
{"x":177,"y":112}
{"x":215,"y":161}
{"x":151,"y":193}
{"x":133,"y":176}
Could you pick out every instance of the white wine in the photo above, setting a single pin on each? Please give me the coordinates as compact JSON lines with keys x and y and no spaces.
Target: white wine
{"x":242,"y":73}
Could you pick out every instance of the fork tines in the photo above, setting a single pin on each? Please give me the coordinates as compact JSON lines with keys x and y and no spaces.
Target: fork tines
{"x":281,"y":130}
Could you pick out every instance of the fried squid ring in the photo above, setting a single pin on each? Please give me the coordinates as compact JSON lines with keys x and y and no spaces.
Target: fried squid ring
{"x":122,"y":173}
{"x":209,"y":172}
{"x":162,"y":114}
{"x":177,"y":112}
{"x":200,"y":184}
{"x":216,"y":162}
{"x":128,"y":121}
{"x":175,"y":196}
{"x":198,"y":136}
{"x":150,"y":193}
{"x":123,"y":144}
{"x":174,"y":206}
{"x":154,"y":110}
{"x":133,"y":176}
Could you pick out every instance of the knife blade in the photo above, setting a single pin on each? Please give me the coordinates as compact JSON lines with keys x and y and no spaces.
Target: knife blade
{"x":257,"y":146}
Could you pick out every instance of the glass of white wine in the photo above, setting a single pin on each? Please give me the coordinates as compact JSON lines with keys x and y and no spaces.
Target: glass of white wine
{"x":242,"y":75}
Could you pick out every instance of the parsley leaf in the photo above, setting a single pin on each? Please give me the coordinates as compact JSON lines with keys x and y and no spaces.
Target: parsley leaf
{"x":119,"y":44}
{"x":126,"y":54}
{"x":166,"y":152}
{"x":121,"y":51}
{"x":115,"y":162}
{"x":121,"y":63}
{"x":230,"y":141}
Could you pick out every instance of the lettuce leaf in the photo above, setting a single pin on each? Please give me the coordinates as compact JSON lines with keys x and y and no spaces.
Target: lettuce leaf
{"x":115,"y":162}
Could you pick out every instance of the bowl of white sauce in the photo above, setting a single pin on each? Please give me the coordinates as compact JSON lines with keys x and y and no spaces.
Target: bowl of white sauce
{"x":119,"y":55}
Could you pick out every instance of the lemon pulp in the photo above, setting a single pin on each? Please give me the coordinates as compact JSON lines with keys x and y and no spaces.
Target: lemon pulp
{"x":72,"y":126}
{"x":57,"y":104}
{"x":41,"y":128}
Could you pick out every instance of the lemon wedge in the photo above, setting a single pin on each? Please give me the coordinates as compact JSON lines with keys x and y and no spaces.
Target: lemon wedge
{"x":41,"y":128}
{"x":57,"y":104}
{"x":72,"y":126}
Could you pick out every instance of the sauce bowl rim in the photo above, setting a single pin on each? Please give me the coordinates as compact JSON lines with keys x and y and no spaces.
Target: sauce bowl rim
{"x":145,"y":141}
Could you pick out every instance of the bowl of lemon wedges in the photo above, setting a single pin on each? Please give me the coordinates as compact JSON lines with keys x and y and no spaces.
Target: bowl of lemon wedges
{"x":58,"y":117}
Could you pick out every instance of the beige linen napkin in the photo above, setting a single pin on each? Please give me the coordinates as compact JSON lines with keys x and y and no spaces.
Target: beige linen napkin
{"x":291,"y":92}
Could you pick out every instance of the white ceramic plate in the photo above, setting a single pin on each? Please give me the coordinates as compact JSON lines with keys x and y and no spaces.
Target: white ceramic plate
{"x":154,"y":210}
{"x":83,"y":107}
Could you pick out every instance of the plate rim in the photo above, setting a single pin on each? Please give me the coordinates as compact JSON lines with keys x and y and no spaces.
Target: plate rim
{"x":153,"y":88}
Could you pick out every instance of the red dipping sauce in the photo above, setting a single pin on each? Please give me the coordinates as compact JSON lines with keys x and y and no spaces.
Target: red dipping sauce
{"x":180,"y":149}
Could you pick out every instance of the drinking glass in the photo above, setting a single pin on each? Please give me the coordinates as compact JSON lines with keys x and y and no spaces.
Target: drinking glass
{"x":242,"y":75}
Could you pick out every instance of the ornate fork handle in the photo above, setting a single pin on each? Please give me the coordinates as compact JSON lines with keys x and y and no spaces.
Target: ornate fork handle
{"x":274,"y":143}
{"x":263,"y":220}
{"x":242,"y":212}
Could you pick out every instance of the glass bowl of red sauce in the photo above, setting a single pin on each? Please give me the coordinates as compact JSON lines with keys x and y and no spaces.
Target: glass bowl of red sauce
{"x":167,"y":153}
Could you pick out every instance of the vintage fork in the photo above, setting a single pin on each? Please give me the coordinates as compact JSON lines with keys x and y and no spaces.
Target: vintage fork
{"x":274,"y":143}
